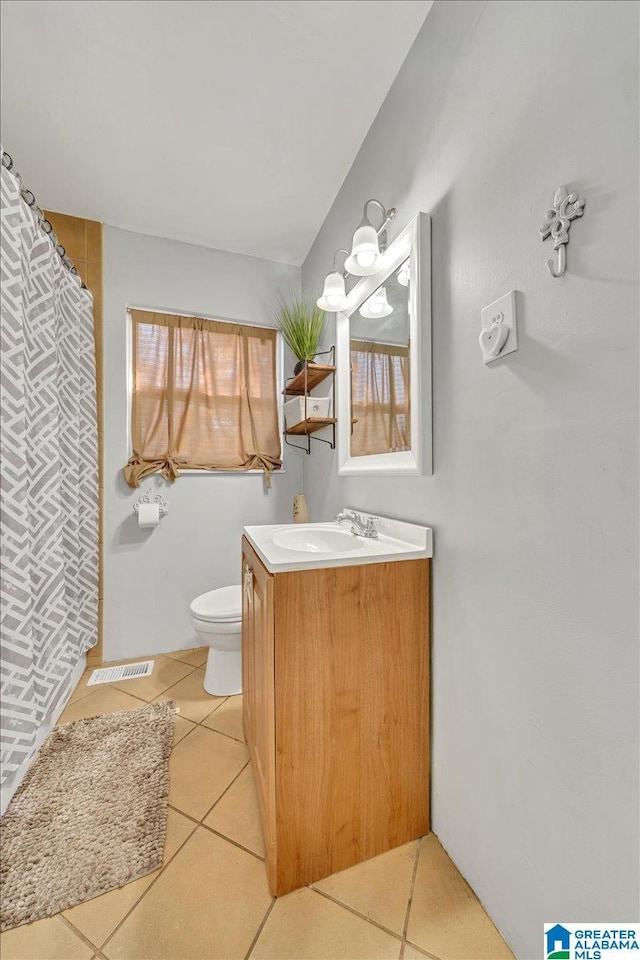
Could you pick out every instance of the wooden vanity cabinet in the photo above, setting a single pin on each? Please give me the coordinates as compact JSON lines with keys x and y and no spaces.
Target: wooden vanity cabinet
{"x":336,"y":711}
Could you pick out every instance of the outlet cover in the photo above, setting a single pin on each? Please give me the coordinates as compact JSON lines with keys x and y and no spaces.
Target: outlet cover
{"x":505,"y":307}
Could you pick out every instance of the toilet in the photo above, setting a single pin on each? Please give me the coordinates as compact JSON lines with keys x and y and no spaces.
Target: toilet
{"x":217,"y":619}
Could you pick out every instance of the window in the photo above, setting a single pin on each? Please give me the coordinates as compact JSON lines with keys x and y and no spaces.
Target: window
{"x":204,"y":397}
{"x":380,"y":398}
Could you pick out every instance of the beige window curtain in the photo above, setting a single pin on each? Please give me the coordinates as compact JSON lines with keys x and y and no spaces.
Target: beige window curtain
{"x":380,"y":398}
{"x":204,"y":397}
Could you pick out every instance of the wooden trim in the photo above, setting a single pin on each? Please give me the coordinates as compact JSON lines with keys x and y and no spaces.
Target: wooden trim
{"x":82,"y":239}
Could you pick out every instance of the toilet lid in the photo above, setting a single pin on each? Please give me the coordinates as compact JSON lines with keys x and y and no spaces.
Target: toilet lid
{"x":225,"y":603}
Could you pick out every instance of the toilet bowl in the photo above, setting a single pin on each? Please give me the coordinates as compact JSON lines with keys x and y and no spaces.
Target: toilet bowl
{"x":217,"y":619}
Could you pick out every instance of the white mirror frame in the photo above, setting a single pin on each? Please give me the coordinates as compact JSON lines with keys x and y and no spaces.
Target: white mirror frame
{"x":414,"y":242}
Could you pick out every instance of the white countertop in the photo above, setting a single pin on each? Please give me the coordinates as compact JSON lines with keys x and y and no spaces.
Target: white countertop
{"x":397,"y":540}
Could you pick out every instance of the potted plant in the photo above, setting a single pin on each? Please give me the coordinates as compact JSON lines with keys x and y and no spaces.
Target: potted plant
{"x":301,"y":324}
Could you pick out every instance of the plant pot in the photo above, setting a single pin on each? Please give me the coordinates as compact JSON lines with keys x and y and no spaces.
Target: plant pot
{"x":300,"y":365}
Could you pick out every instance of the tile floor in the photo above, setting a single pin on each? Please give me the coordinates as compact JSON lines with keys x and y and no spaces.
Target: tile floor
{"x":210,"y":900}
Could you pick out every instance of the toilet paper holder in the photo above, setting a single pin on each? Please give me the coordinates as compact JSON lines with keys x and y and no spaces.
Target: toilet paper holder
{"x":163,"y":506}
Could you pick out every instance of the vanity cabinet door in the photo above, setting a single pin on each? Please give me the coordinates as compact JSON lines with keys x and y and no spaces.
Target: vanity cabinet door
{"x":248,"y":670}
{"x":258,"y":688}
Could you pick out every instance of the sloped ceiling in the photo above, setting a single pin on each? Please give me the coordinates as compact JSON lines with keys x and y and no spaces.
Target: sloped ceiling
{"x":227,"y":124}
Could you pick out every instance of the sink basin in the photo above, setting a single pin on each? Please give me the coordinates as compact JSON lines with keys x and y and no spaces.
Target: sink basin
{"x":315,"y":546}
{"x":316,"y":541}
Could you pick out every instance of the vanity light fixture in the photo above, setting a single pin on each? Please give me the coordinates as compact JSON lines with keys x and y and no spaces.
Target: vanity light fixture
{"x":403,"y":274}
{"x":334,"y":295}
{"x":376,"y":306}
{"x":365,"y":249}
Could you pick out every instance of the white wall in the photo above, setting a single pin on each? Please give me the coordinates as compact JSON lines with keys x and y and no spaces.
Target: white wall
{"x":534,"y":496}
{"x":151,"y":577}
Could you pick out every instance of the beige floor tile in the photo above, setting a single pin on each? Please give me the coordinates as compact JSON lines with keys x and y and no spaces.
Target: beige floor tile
{"x":99,"y":917}
{"x":196,"y":656}
{"x":227,"y":718}
{"x":447,"y":919}
{"x":208,"y":903}
{"x":192,"y":700}
{"x":50,"y":939}
{"x":104,"y":699}
{"x":82,"y":689}
{"x":378,"y":888}
{"x":237,"y":815}
{"x":304,"y":925}
{"x":201,"y":768}
{"x":181,"y":728}
{"x":166,"y":672}
{"x":413,"y":953}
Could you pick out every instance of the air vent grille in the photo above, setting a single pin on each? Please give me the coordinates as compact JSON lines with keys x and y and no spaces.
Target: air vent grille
{"x":126,"y":671}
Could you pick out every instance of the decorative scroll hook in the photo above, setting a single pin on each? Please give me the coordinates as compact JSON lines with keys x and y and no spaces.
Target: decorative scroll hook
{"x":566,"y":207}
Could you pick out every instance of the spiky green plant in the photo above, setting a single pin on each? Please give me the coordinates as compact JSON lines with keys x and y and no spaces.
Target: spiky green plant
{"x":301,"y":323}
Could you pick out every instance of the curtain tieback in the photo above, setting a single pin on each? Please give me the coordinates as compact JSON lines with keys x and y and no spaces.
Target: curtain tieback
{"x":137,"y":469}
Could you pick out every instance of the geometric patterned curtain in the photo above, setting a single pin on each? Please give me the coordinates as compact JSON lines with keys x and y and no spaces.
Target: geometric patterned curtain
{"x":49,"y":477}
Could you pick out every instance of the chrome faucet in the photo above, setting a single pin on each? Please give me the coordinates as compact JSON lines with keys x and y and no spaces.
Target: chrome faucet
{"x":361,"y":527}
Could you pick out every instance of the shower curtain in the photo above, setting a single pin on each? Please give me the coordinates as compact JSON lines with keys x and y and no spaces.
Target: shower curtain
{"x":49,"y":470}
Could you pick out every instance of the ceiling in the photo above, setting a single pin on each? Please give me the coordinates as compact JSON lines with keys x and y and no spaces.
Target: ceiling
{"x":229,"y":124}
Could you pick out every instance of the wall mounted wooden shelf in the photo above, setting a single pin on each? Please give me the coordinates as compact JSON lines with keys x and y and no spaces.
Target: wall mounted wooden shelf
{"x":310,"y":425}
{"x":316,"y":373}
{"x":301,"y":385}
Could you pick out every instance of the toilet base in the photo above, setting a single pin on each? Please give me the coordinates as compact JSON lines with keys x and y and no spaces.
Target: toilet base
{"x":223,"y":677}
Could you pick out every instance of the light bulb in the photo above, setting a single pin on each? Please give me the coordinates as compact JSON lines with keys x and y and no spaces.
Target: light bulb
{"x":365,"y":251}
{"x":334,"y":296}
{"x":366,"y":258}
{"x":376,"y":306}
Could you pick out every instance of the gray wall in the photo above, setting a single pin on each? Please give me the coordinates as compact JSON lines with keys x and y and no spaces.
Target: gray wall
{"x":151,"y":577}
{"x":534,"y":496}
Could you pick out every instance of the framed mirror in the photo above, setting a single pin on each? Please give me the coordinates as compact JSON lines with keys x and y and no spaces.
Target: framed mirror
{"x":384,"y":362}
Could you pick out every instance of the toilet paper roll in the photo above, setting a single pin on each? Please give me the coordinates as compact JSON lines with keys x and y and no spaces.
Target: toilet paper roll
{"x":148,"y":515}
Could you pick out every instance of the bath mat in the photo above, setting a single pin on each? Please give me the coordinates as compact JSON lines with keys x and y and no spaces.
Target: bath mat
{"x":90,"y":815}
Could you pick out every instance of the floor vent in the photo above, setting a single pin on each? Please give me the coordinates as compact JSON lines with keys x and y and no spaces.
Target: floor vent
{"x":127,"y":671}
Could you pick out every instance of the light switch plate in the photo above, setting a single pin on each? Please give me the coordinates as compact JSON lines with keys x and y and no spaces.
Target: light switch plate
{"x":507,"y":307}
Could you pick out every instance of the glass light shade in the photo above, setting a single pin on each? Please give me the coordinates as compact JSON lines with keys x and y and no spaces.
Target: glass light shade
{"x":334,"y":296}
{"x":403,"y":274}
{"x":376,"y":306}
{"x":365,"y":252}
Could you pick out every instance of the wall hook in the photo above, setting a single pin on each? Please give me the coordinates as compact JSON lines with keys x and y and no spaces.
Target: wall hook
{"x":558,"y":268}
{"x":566,"y":207}
{"x":493,"y":338}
